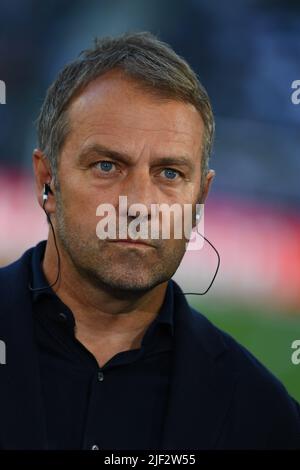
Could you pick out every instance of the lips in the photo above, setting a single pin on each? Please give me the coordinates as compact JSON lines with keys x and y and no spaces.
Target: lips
{"x":130,"y":241}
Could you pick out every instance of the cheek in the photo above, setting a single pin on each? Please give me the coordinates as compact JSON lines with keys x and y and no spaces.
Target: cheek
{"x":78,"y":212}
{"x":171,"y":253}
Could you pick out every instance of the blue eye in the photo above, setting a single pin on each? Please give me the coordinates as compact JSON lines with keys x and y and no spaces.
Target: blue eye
{"x":106,"y":166}
{"x":170,"y":174}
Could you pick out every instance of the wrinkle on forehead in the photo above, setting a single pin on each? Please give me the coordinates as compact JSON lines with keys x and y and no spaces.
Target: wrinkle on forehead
{"x":138,"y":116}
{"x":114,"y":88}
{"x":120,"y":111}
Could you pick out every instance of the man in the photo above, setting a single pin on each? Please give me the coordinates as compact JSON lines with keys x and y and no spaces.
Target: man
{"x":102,"y":349}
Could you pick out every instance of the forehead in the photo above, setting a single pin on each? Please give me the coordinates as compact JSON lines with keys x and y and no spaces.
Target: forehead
{"x":117,"y":106}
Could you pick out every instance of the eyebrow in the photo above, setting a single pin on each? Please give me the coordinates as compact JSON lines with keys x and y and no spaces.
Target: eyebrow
{"x":104,"y":151}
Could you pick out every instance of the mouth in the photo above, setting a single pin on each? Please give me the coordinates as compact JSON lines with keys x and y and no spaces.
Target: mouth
{"x":130,"y":242}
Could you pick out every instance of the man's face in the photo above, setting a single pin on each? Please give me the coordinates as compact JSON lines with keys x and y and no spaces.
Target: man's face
{"x":140,"y":138}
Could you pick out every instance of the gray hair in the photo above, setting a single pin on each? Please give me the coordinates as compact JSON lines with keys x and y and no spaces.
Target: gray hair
{"x":140,"y":56}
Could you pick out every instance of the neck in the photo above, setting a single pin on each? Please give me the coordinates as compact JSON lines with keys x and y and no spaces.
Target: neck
{"x":101,"y":317}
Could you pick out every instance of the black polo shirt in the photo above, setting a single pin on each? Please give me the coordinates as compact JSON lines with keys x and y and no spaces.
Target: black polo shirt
{"x":121,"y":405}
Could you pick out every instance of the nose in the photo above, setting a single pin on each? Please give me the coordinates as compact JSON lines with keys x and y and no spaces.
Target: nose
{"x":139,"y":189}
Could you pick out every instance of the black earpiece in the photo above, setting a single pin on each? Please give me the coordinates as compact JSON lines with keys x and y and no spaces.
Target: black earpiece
{"x":46,"y":191}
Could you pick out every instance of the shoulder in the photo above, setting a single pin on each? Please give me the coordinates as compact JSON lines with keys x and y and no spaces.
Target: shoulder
{"x":22,"y":264}
{"x":260,"y":398}
{"x":14,"y":280}
{"x":249,"y":369}
{"x":15,"y":269}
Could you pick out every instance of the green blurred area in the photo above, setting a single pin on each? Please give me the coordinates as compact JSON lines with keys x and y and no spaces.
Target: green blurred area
{"x":267,"y":335}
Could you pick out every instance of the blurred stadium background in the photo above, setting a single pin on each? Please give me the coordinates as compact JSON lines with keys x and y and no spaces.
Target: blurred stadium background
{"x":246,"y":53}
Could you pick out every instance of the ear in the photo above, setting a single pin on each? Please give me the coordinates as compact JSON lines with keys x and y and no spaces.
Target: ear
{"x":42,"y":175}
{"x":203,"y":194}
{"x":206,"y":185}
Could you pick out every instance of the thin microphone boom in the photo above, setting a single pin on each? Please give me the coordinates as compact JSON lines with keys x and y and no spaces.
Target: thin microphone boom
{"x":216,"y":272}
{"x":35,"y":289}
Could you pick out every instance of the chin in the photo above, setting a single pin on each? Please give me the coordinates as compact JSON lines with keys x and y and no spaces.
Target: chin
{"x":131,"y":284}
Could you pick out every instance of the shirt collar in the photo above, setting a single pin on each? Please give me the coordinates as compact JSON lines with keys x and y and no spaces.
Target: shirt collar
{"x":38,"y":278}
{"x":166,"y":312}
